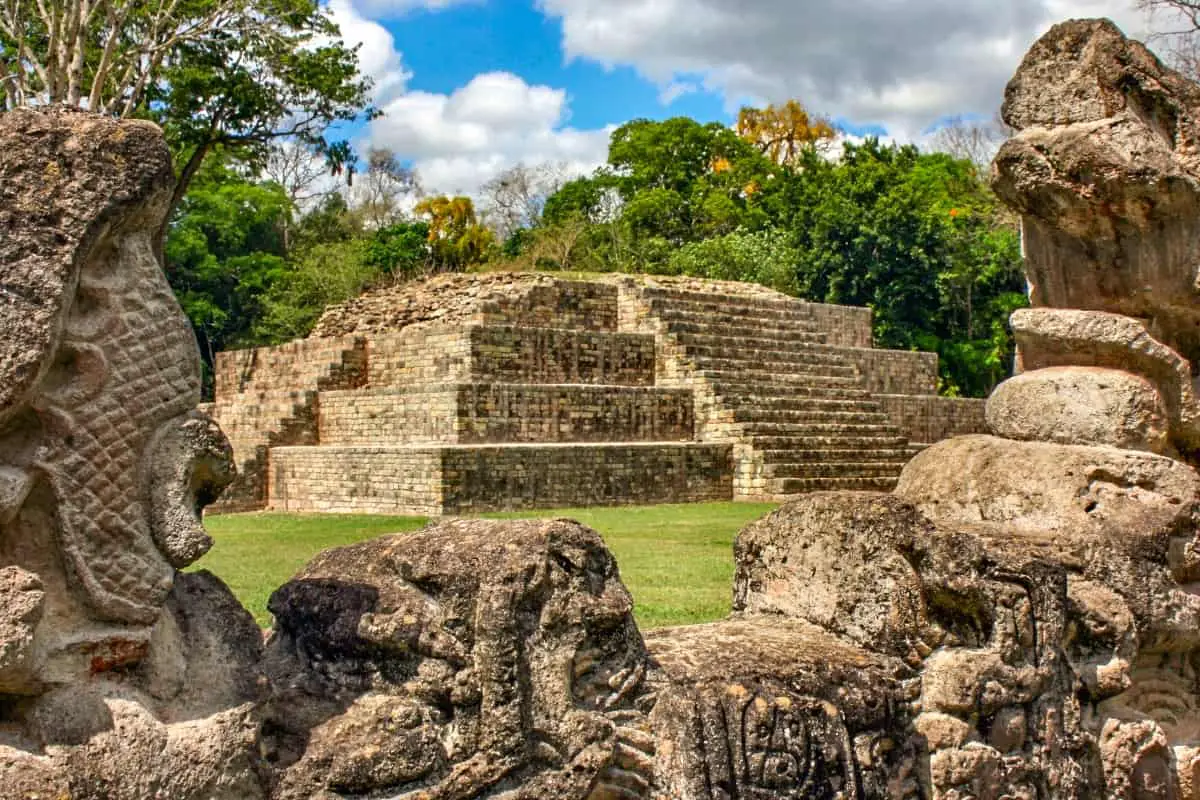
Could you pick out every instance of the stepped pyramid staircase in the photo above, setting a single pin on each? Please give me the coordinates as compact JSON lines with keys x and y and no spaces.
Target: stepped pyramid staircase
{"x":267,"y":397}
{"x":649,"y":391}
{"x":797,"y":406}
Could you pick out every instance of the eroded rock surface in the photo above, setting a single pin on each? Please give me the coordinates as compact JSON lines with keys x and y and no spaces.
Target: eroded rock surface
{"x":1105,"y":173}
{"x":1081,"y":405}
{"x":503,"y":656}
{"x":119,"y":678}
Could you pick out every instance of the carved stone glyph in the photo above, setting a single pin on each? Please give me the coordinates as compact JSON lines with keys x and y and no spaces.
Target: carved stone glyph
{"x":504,"y":654}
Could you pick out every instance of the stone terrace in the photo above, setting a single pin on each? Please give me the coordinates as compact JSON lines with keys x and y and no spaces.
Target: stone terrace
{"x":527,"y":391}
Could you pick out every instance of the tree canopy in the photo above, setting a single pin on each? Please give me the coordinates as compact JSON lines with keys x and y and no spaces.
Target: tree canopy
{"x":230,"y":74}
{"x":916,"y":236}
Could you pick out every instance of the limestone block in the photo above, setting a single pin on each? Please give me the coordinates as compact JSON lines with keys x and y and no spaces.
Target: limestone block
{"x":1037,"y":486}
{"x":1105,"y":175}
{"x":1048,"y":337}
{"x":1080,"y":405}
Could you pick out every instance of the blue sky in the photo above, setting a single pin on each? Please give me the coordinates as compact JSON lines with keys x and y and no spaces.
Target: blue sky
{"x":471,"y":87}
{"x":513,"y":36}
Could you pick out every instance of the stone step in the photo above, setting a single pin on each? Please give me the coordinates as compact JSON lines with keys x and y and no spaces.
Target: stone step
{"x":825,"y":429}
{"x":819,"y":439}
{"x":751,"y":334}
{"x":463,"y":479}
{"x":756,"y":416}
{"x":730,"y":389}
{"x":784,"y":486}
{"x":782,"y":381}
{"x":834,"y":469}
{"x":773,"y":324}
{"x":866,"y":452}
{"x":787,"y":402}
{"x":749,"y":354}
{"x":682,"y":298}
{"x":700,"y":320}
{"x":776,"y":370}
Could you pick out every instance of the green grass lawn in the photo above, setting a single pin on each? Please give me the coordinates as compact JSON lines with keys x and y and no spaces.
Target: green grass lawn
{"x":677,"y":560}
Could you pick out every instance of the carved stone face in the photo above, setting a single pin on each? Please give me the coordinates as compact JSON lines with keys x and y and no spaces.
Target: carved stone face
{"x":115,"y":409}
{"x":517,"y":639}
{"x":104,"y":463}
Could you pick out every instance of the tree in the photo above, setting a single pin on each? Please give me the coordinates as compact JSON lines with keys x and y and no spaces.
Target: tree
{"x":325,"y":274}
{"x":1179,"y":30}
{"x":766,"y":257}
{"x":972,"y":140}
{"x":516,"y":198}
{"x":224,"y":251}
{"x":228,"y":74}
{"x":672,"y":154}
{"x":379,"y":194}
{"x":456,"y":238}
{"x":920,"y":239}
{"x":300,"y":174}
{"x":401,"y":250}
{"x":783,"y":132}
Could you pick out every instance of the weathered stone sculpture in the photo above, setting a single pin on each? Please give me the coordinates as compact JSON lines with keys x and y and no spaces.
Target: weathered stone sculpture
{"x":1105,"y":175}
{"x":471,"y":659}
{"x":1020,"y":619}
{"x":119,"y":678}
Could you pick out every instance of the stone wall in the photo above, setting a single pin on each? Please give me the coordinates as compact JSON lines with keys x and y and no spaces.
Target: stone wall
{"x":510,"y":355}
{"x":896,"y":371}
{"x":499,"y":479}
{"x":294,"y":365}
{"x":391,"y":416}
{"x":356,"y":480}
{"x":496,"y":413}
{"x":843,"y":326}
{"x":578,"y":305}
{"x":928,"y":419}
{"x":437,"y":480}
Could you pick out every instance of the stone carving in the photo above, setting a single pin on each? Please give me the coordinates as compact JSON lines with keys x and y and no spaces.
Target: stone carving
{"x":1104,"y":173}
{"x":118,"y":677}
{"x":505,"y":654}
{"x":1019,"y":619}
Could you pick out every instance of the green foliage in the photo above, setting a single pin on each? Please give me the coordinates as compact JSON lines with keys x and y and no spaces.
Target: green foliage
{"x":765,"y":257}
{"x":224,"y":251}
{"x":401,"y":250}
{"x":324,"y":274}
{"x":287,"y":74}
{"x":919,"y":239}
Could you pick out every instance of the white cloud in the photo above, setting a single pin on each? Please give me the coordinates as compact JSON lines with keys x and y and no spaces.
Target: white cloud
{"x":676,"y":89}
{"x":377,"y":54}
{"x":461,"y":140}
{"x":394,"y":9}
{"x":900,"y":64}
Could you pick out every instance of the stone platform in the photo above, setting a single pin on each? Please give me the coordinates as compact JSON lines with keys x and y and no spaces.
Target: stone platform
{"x":527,"y":391}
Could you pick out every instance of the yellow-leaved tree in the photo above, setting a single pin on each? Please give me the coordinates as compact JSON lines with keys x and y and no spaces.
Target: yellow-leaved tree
{"x":783,"y":132}
{"x":456,"y":238}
